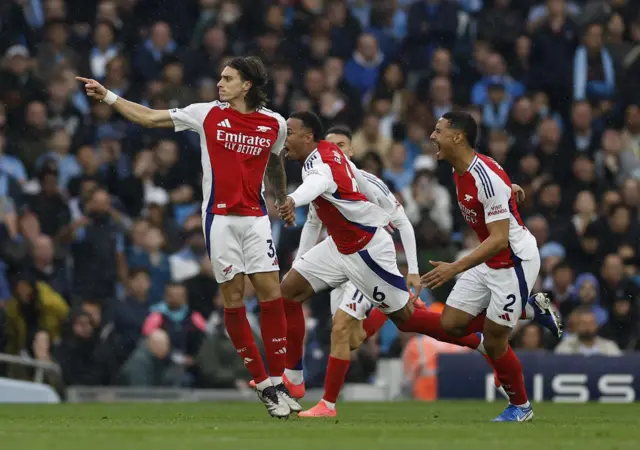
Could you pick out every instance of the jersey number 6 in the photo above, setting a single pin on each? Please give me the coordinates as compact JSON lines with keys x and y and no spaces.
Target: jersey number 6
{"x":378,"y":295}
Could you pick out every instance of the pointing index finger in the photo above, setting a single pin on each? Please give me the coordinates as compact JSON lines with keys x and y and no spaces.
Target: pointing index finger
{"x":84,"y":80}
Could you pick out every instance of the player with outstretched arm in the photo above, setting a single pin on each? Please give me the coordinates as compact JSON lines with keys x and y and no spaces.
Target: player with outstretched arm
{"x":240,"y":141}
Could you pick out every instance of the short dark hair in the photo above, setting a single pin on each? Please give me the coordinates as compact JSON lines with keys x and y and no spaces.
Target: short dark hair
{"x":310,"y":121}
{"x":251,"y":68}
{"x":342,"y":130}
{"x":463,"y":121}
{"x":138,"y":271}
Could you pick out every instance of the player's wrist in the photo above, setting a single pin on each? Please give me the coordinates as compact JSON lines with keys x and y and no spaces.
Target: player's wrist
{"x":110,"y":98}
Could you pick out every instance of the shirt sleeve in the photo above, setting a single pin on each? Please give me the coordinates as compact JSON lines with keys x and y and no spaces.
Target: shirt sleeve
{"x":408,"y":238}
{"x":190,"y":117}
{"x":276,"y":149}
{"x":367,"y":187}
{"x":317,"y":181}
{"x":310,"y":232}
{"x":494,"y":195}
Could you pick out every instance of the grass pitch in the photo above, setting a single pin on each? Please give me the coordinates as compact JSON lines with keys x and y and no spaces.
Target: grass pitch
{"x":373,"y":426}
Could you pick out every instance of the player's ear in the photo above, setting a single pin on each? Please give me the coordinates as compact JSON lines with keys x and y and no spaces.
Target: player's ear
{"x":246,"y":86}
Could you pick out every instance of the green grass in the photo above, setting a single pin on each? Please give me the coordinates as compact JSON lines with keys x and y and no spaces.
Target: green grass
{"x":246,"y":426}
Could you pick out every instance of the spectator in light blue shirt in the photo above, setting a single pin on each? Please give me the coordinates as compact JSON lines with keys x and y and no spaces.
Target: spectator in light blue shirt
{"x":398,"y":173}
{"x":496,"y":67}
{"x":10,"y":165}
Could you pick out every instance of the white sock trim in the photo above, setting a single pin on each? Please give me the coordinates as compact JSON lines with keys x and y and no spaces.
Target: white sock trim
{"x":524,"y":405}
{"x":331,"y":406}
{"x":294,"y":376}
{"x":276,"y":380}
{"x":264,"y":384}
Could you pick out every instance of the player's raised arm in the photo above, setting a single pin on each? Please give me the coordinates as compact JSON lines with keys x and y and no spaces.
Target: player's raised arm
{"x":141,"y":115}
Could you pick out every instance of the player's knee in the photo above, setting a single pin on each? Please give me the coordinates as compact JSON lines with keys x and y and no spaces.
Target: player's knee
{"x":451,"y":326}
{"x":401,"y":316}
{"x":357,"y":337}
{"x":295,"y":287}
{"x":340,"y":331}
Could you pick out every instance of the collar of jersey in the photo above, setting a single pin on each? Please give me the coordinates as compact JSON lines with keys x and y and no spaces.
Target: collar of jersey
{"x":310,"y":155}
{"x":473,"y":163}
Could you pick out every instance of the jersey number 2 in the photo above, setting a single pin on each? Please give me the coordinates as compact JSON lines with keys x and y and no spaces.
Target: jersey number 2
{"x":508,"y":307}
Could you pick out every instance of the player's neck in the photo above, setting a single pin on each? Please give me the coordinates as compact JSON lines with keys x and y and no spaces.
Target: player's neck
{"x":240,"y":105}
{"x":308,"y":151}
{"x":462,"y":162}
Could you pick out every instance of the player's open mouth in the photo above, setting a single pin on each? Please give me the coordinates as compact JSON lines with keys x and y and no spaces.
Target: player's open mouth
{"x":437,"y":146}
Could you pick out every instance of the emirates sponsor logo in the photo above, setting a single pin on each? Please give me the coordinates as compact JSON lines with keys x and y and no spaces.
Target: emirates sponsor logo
{"x":242,"y":143}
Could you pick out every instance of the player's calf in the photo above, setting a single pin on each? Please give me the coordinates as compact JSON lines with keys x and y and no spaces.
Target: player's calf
{"x":505,"y":362}
{"x":295,"y":290}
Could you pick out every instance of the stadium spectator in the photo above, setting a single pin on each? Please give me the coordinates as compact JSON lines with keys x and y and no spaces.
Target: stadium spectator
{"x":150,"y":364}
{"x":130,"y":314}
{"x":34,"y":307}
{"x":586,"y":341}
{"x":82,"y":356}
{"x":97,"y":246}
{"x":47,"y":268}
{"x":184,"y":327}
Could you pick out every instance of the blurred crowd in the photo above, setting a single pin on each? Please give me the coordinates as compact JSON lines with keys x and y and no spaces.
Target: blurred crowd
{"x":103,"y":266}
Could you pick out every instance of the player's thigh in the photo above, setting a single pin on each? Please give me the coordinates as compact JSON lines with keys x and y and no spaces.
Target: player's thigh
{"x":223,"y":239}
{"x":322,"y":267}
{"x":258,"y":248}
{"x":509,"y":293}
{"x":374,"y":272}
{"x":295,"y":287}
{"x":350,"y":300}
{"x":469,"y":297}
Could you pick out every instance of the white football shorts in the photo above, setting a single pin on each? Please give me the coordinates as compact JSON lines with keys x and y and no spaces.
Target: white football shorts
{"x":501,"y":292}
{"x":239,"y":244}
{"x":373,"y":271}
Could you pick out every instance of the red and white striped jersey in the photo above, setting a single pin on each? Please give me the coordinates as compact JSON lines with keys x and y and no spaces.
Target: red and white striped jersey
{"x":484,"y":196}
{"x":351,"y":220}
{"x":235,"y":151}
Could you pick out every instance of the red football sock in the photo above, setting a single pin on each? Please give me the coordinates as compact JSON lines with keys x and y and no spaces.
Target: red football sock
{"x":509,"y":372}
{"x":334,"y":379}
{"x":428,"y":323}
{"x":273,"y":326}
{"x":477,"y":324}
{"x":235,"y":320}
{"x":374,"y":322}
{"x":295,"y":334}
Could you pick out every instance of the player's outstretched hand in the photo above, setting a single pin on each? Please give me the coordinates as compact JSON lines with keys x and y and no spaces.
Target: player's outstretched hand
{"x":93,"y":88}
{"x":520,"y":195}
{"x":288,"y":211}
{"x":438,"y":276}
{"x":414,"y":286}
